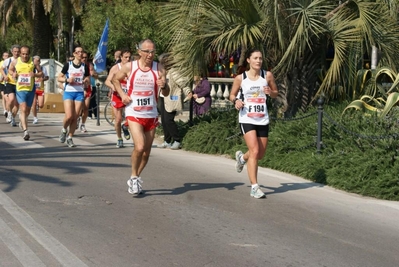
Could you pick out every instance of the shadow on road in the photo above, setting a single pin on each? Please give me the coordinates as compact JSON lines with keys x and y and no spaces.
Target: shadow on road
{"x":189,"y":187}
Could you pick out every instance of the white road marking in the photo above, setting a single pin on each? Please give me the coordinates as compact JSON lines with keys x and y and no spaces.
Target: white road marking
{"x":52,"y":245}
{"x":20,"y":250}
{"x":19,"y":142}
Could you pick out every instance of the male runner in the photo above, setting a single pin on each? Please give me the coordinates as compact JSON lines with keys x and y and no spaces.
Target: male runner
{"x":38,"y":100}
{"x":74,"y":75}
{"x":88,"y":92}
{"x":22,"y":71}
{"x":117,"y":103}
{"x":10,"y":85}
{"x":145,"y":79}
{"x":2,"y":85}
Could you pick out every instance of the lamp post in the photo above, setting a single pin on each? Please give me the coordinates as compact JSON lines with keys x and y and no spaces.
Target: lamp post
{"x":320,"y":103}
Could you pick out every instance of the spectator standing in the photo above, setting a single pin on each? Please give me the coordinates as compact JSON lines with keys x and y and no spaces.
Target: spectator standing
{"x":169,"y":107}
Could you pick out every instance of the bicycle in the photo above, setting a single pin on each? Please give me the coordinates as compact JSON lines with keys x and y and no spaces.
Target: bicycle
{"x":109,"y":113}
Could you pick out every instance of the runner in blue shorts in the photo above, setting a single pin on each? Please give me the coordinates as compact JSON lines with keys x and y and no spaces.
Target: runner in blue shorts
{"x":22,"y":71}
{"x":74,"y":75}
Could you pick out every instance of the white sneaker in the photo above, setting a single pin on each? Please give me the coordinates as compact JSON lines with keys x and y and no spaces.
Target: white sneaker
{"x":175,"y":145}
{"x":9,"y":117}
{"x":239,"y":165}
{"x":13,"y":123}
{"x":70,"y":142}
{"x":83,"y":128}
{"x":257,"y":193}
{"x":26,"y":135}
{"x":119,"y":143}
{"x":135,"y":187}
{"x":164,"y":145}
{"x":35,"y":120}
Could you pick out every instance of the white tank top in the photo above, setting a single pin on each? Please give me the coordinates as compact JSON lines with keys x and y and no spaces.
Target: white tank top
{"x":252,"y":93}
{"x":78,"y":75}
{"x":143,"y":91}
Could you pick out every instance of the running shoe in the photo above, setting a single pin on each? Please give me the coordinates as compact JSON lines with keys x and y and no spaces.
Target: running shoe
{"x":83,"y":128}
{"x":135,"y":185}
{"x":35,"y":120}
{"x":257,"y":193}
{"x":70,"y":142}
{"x":62,"y":137}
{"x":175,"y":145}
{"x":126,"y":133}
{"x":239,"y":165}
{"x":5,"y":113}
{"x":13,"y":123}
{"x":164,"y":145}
{"x":26,"y":135}
{"x":119,"y":143}
{"x":9,"y":117}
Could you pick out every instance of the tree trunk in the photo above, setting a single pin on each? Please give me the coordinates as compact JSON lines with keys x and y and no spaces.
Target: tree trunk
{"x":42,"y":34}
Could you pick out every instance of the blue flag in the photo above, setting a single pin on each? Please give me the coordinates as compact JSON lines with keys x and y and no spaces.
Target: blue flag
{"x":100,"y":58}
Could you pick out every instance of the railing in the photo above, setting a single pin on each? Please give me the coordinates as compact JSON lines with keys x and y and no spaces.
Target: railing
{"x":220,"y":91}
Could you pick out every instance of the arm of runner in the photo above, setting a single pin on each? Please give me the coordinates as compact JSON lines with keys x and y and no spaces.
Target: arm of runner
{"x":111,"y":74}
{"x":86,"y":79}
{"x":119,"y":75}
{"x":161,"y":81}
{"x":45,"y":74}
{"x":39,"y":73}
{"x":234,"y":92}
{"x":12,"y":71}
{"x":2,"y":67}
{"x":62,"y":76}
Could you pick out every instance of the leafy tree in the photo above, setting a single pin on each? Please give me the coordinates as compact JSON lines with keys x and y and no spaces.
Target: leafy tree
{"x":130,"y":22}
{"x":35,"y":15}
{"x":295,"y":36}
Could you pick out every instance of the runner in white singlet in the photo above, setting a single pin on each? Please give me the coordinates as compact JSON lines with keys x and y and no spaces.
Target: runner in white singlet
{"x":145,"y":79}
{"x":249,"y":93}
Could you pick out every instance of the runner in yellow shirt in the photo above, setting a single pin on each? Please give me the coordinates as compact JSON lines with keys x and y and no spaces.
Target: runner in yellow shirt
{"x":22,"y":71}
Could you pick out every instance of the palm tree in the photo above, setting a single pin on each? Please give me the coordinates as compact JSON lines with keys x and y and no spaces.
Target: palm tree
{"x":295,"y":36}
{"x":38,"y":14}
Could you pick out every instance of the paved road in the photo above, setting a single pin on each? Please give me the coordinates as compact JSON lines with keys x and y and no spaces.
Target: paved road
{"x":63,"y":206}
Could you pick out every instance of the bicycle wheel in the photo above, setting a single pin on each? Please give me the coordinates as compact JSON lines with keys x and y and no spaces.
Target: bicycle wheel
{"x":109,"y":113}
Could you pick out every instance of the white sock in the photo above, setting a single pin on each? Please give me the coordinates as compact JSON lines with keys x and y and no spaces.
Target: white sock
{"x":64,"y":130}
{"x":254,"y":185}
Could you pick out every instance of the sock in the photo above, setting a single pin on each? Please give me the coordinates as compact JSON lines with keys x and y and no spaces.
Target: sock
{"x":69,"y":137}
{"x":120,"y":139}
{"x":253,"y":186}
{"x":35,"y":118}
{"x":242,"y":159}
{"x":64,"y":130}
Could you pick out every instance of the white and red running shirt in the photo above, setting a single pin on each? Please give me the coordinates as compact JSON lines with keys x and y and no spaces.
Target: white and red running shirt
{"x":143,"y":91}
